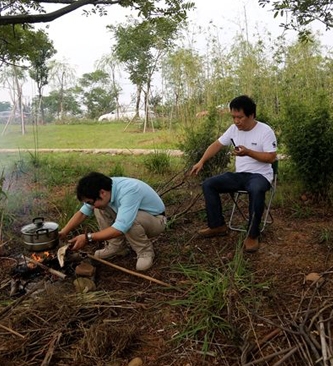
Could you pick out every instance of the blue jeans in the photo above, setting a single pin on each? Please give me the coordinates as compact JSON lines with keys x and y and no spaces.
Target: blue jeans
{"x":255,"y":184}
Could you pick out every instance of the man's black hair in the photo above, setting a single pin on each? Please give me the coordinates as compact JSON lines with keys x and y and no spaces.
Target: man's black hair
{"x":90,"y":185}
{"x":245,"y":103}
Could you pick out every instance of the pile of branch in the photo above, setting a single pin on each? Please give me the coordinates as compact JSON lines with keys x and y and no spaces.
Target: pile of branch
{"x":302,"y":338}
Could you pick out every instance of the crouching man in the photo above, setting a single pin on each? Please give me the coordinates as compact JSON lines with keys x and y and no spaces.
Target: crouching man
{"x":126,"y":209}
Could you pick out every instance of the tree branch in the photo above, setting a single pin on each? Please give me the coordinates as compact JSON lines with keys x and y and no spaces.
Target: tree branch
{"x":49,"y":17}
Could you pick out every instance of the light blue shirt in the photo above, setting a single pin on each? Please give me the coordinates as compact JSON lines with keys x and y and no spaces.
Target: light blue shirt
{"x":128,"y":196}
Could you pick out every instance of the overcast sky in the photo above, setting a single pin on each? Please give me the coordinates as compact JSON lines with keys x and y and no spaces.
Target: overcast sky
{"x":81,"y":40}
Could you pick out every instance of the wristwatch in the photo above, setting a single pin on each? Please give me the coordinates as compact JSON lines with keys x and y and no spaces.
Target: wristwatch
{"x":89,"y":238}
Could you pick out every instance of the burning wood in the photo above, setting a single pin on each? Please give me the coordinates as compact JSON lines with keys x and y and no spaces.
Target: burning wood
{"x":51,"y":270}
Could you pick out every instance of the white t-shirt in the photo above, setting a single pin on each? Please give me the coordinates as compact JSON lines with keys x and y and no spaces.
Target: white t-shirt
{"x":260,"y":138}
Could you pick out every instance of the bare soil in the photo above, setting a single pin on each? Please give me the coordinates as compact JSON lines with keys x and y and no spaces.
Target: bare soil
{"x":288,"y":323}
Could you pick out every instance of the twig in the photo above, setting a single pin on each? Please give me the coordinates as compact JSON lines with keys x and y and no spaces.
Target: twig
{"x":285,"y":357}
{"x":12,"y":331}
{"x":268,"y":357}
{"x":191,"y":204}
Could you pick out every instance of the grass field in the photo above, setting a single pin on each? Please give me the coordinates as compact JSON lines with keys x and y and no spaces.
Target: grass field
{"x":87,"y":136}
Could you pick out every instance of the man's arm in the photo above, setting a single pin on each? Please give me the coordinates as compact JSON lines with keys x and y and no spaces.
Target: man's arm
{"x":81,"y":240}
{"x":211,"y":151}
{"x":72,"y":224}
{"x":263,"y":157}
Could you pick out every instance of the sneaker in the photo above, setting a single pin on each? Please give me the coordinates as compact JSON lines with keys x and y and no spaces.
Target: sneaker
{"x":251,"y":245}
{"x":216,"y":231}
{"x":111,"y":251}
{"x":144,"y":263}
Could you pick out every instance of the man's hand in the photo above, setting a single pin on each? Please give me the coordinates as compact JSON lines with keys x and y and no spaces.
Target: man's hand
{"x":196,"y":168}
{"x":62,"y":235}
{"x":240,"y":150}
{"x":78,"y":242}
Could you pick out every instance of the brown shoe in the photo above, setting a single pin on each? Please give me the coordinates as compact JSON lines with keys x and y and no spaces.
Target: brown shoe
{"x":251,"y":245}
{"x":216,"y":231}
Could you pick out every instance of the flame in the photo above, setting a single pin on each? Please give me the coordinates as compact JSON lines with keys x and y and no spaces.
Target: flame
{"x":40,"y":257}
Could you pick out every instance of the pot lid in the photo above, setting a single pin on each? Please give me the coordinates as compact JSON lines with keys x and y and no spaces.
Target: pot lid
{"x":38,"y":223}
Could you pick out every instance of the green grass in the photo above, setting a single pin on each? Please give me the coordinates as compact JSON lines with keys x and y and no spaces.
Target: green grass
{"x":87,"y":136}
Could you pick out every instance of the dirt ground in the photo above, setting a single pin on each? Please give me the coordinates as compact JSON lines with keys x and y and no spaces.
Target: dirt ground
{"x":129,"y":316}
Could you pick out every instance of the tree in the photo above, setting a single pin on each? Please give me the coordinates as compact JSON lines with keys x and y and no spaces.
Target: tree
{"x":140,"y":46}
{"x":109,"y":64}
{"x":33,"y":11}
{"x":17,"y":44}
{"x":43,"y":50}
{"x":13,"y":78}
{"x":183,"y":74}
{"x":302,"y":13}
{"x":62,"y":76}
{"x":96,"y":93}
{"x":69,"y":104}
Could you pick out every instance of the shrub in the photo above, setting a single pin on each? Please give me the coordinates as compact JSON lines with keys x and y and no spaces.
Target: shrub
{"x":308,"y":138}
{"x":196,"y":142}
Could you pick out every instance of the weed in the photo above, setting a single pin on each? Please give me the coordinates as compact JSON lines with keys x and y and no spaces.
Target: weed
{"x":215,"y":300}
{"x":326,"y":237}
{"x":117,"y":171}
{"x":158,"y":162}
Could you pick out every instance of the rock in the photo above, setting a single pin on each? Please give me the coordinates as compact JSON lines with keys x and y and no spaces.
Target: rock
{"x":85,"y":269}
{"x":83,"y":285}
{"x":137,"y":361}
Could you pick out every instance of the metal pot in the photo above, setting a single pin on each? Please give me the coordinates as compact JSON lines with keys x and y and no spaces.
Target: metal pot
{"x":40,"y":235}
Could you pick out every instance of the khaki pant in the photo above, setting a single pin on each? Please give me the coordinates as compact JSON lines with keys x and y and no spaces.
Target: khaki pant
{"x":144,"y":228}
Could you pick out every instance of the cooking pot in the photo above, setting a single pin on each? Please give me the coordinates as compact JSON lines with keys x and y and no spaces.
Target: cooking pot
{"x":40,"y":235}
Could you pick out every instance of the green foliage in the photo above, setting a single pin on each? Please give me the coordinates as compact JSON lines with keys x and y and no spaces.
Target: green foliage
{"x":158,"y":162}
{"x":52,"y":106}
{"x":308,"y":136}
{"x":18,"y":43}
{"x":196,"y":141}
{"x":302,"y":13}
{"x":42,"y":51}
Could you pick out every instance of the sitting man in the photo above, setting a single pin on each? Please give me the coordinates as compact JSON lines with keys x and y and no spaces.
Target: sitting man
{"x":255,"y":151}
{"x":125,"y":208}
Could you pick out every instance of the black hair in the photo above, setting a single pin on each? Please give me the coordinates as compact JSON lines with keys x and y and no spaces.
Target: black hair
{"x":245,"y":103}
{"x":90,"y":185}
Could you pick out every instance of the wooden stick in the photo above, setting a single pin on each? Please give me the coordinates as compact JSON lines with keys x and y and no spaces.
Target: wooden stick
{"x":51,"y":270}
{"x":128,"y":271}
{"x":12,"y":331}
{"x":53,"y":344}
{"x":323,"y":338}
